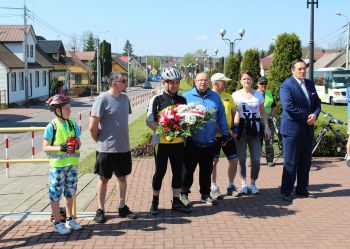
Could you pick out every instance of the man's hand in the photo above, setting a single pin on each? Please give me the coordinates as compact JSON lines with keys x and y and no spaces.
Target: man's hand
{"x":225,"y":139}
{"x":64,"y":147}
{"x":311,"y":119}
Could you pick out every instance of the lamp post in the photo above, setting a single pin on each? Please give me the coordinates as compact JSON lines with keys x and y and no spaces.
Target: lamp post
{"x":211,"y":58}
{"x":311,"y":62}
{"x":98,"y":82}
{"x":241,"y":33}
{"x":347,"y":38}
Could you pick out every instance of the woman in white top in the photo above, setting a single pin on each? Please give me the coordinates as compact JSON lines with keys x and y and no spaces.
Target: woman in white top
{"x":248,"y":122}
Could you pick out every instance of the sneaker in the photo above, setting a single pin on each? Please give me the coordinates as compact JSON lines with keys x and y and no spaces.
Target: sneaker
{"x":215,"y":194}
{"x":125,"y":212}
{"x":73,"y":225}
{"x":179,"y":206}
{"x":100,"y":216}
{"x":154,"y":208}
{"x":208,"y":200}
{"x":61,"y":228}
{"x":244,"y":189}
{"x":348,"y":162}
{"x":232,"y":191}
{"x":253,"y":189}
{"x":270,"y":164}
{"x":184,"y":200}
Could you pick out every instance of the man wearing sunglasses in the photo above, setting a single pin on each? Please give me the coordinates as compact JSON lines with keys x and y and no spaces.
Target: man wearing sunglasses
{"x":165,"y":150}
{"x":270,"y":112}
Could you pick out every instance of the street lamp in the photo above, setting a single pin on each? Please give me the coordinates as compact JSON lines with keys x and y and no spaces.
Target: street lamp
{"x":347,"y":38}
{"x":311,"y":62}
{"x":241,"y":33}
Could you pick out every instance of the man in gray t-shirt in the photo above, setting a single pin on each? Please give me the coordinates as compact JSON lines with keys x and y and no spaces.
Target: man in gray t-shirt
{"x":109,"y":128}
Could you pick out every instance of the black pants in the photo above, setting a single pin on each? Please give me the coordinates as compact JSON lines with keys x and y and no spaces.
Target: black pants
{"x":163,"y":152}
{"x":204,"y":157}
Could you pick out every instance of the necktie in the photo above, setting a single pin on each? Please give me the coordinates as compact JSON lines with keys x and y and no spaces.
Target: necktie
{"x":303,"y":87}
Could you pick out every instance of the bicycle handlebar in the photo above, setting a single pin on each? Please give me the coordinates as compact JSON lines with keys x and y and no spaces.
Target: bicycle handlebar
{"x":333,"y":119}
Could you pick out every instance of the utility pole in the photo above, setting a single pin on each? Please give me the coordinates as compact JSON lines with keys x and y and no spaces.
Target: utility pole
{"x":347,"y":46}
{"x":311,"y":62}
{"x":25,"y":56}
{"x":129,"y":68}
{"x":98,"y":82}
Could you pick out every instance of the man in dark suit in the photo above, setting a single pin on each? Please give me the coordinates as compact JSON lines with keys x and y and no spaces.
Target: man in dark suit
{"x":301,"y":107}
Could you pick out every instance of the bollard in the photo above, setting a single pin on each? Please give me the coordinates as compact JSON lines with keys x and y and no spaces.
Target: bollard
{"x":6,"y":156}
{"x":33,"y":149}
{"x":80,"y":121}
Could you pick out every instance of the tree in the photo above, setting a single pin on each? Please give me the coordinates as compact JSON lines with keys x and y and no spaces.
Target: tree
{"x":271,"y":48}
{"x":106,"y":57}
{"x":240,"y":56}
{"x":251,"y":62}
{"x":287,"y":49}
{"x":89,"y":44}
{"x":232,"y":72}
{"x":128,"y":48}
{"x":219,"y":64}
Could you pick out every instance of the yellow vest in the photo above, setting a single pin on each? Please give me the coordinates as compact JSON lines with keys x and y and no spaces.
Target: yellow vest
{"x":268,"y":102}
{"x":228,"y":104}
{"x":63,"y":159}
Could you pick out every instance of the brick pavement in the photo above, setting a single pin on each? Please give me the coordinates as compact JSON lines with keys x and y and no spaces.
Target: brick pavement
{"x":262,"y":221}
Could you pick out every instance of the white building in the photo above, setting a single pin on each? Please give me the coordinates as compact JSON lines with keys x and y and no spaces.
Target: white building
{"x":12,"y":86}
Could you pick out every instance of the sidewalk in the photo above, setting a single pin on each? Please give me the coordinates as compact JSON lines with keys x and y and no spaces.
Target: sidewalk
{"x":263,"y":221}
{"x":24,"y":194}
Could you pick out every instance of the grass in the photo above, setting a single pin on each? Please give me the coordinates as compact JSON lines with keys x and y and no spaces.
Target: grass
{"x":137,"y":132}
{"x":338,"y":111}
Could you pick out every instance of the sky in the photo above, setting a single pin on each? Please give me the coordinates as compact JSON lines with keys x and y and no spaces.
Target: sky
{"x":177,"y":27}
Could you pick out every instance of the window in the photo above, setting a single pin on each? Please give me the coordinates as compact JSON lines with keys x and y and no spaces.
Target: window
{"x":13,"y":82}
{"x":78,"y":79}
{"x":21,"y":81}
{"x":31,"y":51}
{"x":27,"y":50}
{"x":37,"y":79}
{"x":44,"y":78}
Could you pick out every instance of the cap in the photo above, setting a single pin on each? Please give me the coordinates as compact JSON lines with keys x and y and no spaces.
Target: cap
{"x":219,"y":76}
{"x":262,"y":79}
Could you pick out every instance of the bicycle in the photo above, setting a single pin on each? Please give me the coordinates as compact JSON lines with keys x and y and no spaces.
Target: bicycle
{"x":276,"y":140}
{"x":341,"y":138}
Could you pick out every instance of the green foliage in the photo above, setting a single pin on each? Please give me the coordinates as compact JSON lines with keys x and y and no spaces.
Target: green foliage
{"x":187,"y":59}
{"x":329,"y":145}
{"x":128,"y":48}
{"x":219,"y":64}
{"x":271,"y":49}
{"x":251,"y":62}
{"x":92,"y":74}
{"x":262,"y":54}
{"x":106,"y":57}
{"x":90,"y":43}
{"x":287,"y":49}
{"x":239,"y":56}
{"x":232,"y":71}
{"x":54,"y":86}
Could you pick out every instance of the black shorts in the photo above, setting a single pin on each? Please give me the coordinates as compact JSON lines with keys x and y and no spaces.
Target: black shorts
{"x":107,"y":163}
{"x":230,"y":149}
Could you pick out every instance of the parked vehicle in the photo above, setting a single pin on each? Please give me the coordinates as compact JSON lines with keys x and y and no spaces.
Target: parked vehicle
{"x":331,"y":84}
{"x":147,"y":85}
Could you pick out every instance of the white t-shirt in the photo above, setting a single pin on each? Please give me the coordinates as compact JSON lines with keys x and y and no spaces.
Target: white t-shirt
{"x":248,"y":108}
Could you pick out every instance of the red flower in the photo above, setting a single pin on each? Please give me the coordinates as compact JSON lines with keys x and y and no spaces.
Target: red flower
{"x":177,"y":118}
{"x":166,"y":129}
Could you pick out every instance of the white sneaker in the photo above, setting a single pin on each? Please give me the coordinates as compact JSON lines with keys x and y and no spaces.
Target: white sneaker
{"x":244,"y":189}
{"x":253,"y":189}
{"x":72,"y":224}
{"x":60,"y":228}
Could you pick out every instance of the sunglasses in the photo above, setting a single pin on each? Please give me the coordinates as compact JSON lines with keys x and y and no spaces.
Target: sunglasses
{"x":263,"y":83}
{"x":172,"y":82}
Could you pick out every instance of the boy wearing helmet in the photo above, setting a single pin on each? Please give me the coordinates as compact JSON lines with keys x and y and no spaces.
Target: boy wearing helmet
{"x":62,"y":143}
{"x":163,"y":149}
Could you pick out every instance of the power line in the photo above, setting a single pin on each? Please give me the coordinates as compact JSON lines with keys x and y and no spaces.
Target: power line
{"x":326,"y":36}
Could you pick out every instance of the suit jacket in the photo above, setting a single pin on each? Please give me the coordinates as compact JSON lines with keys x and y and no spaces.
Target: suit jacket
{"x":296,"y":107}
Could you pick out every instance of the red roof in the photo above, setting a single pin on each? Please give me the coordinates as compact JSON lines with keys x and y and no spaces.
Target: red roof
{"x":266,"y":61}
{"x":13,"y":33}
{"x":85,"y":56}
{"x":124,"y":58}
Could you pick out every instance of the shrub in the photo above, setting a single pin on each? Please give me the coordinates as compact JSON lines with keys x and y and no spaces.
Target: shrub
{"x":329,"y":145}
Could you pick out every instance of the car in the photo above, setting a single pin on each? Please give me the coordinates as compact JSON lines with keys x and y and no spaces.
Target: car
{"x":147,"y":85}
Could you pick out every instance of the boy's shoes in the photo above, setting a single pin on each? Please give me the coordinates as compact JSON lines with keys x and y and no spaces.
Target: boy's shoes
{"x":60,"y":228}
{"x":73,"y":225}
{"x":125,"y":212}
{"x":100,"y":216}
{"x":233,"y":191}
{"x":154,"y":208}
